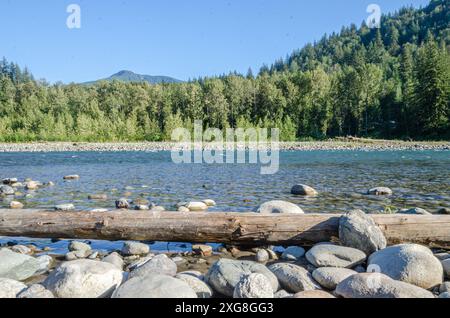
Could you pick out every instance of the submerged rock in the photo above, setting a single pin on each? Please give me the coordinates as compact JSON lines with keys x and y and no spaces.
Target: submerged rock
{"x":279,"y":207}
{"x":380,"y":191}
{"x":419,"y":211}
{"x":65,"y":207}
{"x":301,"y":189}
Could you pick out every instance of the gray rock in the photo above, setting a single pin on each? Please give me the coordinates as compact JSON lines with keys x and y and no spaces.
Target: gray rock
{"x":198,"y":285}
{"x":314,"y":294}
{"x":262,"y":256}
{"x":225,"y":274}
{"x":142,"y":207}
{"x":254,"y":285}
{"x":444,"y":295}
{"x":209,"y":202}
{"x":377,"y":285}
{"x":122,"y":204}
{"x":359,"y":230}
{"x":293,"y":253}
{"x":135,"y":248}
{"x":293,"y":278}
{"x":282,"y":294}
{"x":17,"y":266}
{"x":443,"y":211}
{"x":115,"y":259}
{"x":445,"y":287}
{"x":10,"y":288}
{"x":36,"y":291}
{"x":79,"y":246}
{"x":16,"y":205}
{"x":419,"y":211}
{"x":442,"y":256}
{"x":154,"y":286}
{"x":197,"y":206}
{"x":72,"y":177}
{"x":84,"y":279}
{"x":301,"y":189}
{"x":9,"y":181}
{"x":328,"y":255}
{"x":45,"y":263}
{"x":380,"y":191}
{"x":196,"y":274}
{"x":21,"y":249}
{"x":410,"y":263}
{"x":6,"y":190}
{"x":330,"y":277}
{"x":160,"y":264}
{"x":279,"y":207}
{"x":65,"y":207}
{"x":446,"y":266}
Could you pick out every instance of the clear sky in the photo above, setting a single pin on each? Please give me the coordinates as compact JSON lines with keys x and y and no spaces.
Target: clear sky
{"x":179,"y":38}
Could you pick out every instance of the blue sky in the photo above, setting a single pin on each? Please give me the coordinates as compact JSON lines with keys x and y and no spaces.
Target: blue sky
{"x":178,"y":38}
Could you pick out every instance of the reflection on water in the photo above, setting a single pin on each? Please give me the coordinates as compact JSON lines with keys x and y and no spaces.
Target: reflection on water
{"x":418,"y":179}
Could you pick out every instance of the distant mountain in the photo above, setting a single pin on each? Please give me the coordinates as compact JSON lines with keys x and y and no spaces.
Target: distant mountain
{"x":128,"y":76}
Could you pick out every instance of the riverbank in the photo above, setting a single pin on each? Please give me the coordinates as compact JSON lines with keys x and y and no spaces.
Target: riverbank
{"x":341,"y":144}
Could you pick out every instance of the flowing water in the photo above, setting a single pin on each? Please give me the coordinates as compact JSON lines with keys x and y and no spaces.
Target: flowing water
{"x":418,"y":179}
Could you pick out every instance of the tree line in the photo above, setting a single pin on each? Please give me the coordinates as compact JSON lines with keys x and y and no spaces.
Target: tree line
{"x":392,"y":82}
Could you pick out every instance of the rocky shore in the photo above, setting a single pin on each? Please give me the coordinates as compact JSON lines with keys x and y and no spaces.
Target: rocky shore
{"x":339,"y":144}
{"x":360,"y":265}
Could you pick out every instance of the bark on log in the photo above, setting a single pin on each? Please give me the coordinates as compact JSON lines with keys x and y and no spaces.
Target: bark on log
{"x":232,"y":228}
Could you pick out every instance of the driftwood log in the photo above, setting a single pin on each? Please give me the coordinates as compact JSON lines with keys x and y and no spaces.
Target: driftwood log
{"x":232,"y":228}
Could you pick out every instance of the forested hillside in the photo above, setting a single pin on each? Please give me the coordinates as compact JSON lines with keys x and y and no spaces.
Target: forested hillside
{"x":392,"y":82}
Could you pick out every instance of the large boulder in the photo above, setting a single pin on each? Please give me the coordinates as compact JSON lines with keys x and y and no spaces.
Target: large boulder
{"x":329,"y":255}
{"x":225,"y":274}
{"x":154,"y":286}
{"x":279,"y":207}
{"x":377,"y":285}
{"x":253,"y":286}
{"x":159,"y":264}
{"x":36,"y":291}
{"x":199,"y":286}
{"x":115,"y":259}
{"x":410,"y":263}
{"x":330,"y":277}
{"x":84,"y":279}
{"x":294,"y":278}
{"x":17,"y":266}
{"x":359,"y":230}
{"x":10,"y":288}
{"x":302,"y":189}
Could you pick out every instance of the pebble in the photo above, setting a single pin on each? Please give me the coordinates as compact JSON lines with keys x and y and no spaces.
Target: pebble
{"x":410,"y":263}
{"x":359,"y":230}
{"x":204,"y":250}
{"x":380,"y":191}
{"x":254,"y":285}
{"x":302,"y":189}
{"x":135,"y":248}
{"x":122,"y":204}
{"x":141,"y":207}
{"x":16,"y":205}
{"x":293,"y":253}
{"x":328,"y":255}
{"x":65,"y":207}
{"x":262,"y":256}
{"x":278,"y":206}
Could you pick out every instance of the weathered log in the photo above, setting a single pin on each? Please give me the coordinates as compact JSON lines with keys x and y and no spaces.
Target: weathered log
{"x":232,"y":228}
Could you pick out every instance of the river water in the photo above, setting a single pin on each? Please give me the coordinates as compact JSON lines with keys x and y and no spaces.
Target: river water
{"x":418,"y":179}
